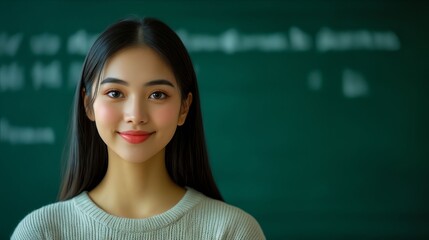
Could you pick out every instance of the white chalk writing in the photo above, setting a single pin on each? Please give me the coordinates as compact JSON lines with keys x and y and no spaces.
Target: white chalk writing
{"x":25,"y":135}
{"x":9,"y":45}
{"x":75,"y":69}
{"x":80,"y":42}
{"x":11,"y":77}
{"x":45,"y":44}
{"x":46,"y":75}
{"x":330,"y":40}
{"x":315,"y":80}
{"x":354,"y":84}
{"x":299,"y":40}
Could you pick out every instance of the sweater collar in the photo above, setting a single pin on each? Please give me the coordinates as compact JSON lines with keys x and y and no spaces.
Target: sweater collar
{"x":84,"y":204}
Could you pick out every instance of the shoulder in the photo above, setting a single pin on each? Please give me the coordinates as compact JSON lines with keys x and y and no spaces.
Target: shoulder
{"x":234,"y":222}
{"x":39,"y":222}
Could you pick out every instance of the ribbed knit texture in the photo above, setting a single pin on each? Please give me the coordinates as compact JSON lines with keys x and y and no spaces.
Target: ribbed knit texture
{"x":195,"y":216}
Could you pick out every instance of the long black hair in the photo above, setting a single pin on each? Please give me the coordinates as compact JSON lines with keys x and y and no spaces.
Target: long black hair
{"x":186,"y":157}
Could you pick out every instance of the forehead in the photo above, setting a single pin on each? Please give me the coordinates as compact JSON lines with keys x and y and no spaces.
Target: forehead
{"x":138,"y":63}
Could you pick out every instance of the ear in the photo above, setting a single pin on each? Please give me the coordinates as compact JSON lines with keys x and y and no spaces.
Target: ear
{"x":88,"y":108}
{"x":184,"y":109}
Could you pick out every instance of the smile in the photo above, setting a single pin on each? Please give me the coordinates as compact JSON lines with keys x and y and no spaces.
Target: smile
{"x":135,"y":137}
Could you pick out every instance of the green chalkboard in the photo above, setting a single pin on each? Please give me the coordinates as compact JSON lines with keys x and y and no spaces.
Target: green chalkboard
{"x":316,"y":112}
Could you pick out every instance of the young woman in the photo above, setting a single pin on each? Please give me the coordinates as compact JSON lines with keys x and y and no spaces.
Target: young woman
{"x":138,"y":165}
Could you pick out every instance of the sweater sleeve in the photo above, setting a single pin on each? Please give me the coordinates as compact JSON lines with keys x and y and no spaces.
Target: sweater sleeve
{"x":246,"y":227}
{"x":254,"y":230}
{"x":29,"y":228}
{"x":228,"y":222}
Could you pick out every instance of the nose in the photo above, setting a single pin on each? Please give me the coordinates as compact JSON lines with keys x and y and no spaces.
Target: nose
{"x":135,"y":112}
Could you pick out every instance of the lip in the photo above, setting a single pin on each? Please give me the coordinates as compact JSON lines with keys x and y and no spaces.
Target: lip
{"x":135,"y":137}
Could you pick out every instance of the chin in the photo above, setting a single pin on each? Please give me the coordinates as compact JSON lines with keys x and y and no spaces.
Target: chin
{"x":138,"y":158}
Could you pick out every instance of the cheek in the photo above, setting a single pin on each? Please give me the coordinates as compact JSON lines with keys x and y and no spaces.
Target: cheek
{"x":105,"y":113}
{"x":167,"y":115}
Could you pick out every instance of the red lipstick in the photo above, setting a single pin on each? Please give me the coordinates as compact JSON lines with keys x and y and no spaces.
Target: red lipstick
{"x":135,"y":137}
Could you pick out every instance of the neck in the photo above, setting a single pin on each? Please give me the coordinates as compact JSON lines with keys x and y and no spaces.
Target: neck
{"x":136,"y":190}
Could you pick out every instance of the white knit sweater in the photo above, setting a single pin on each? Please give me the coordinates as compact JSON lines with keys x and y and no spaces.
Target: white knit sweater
{"x":195,"y":216}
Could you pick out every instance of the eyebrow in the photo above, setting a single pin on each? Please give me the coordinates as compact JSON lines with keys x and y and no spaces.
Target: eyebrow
{"x":150,"y":83}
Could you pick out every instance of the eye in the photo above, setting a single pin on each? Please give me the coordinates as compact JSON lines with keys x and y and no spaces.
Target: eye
{"x":158,"y":95}
{"x":114,"y":94}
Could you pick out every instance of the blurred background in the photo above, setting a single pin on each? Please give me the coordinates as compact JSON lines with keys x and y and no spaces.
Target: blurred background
{"x":316,"y":112}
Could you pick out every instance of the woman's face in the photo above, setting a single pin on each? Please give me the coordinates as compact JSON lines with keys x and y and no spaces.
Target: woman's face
{"x":138,"y":105}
